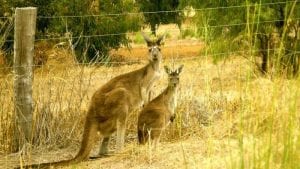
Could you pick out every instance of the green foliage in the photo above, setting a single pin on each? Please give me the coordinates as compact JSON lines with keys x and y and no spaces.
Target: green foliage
{"x":189,"y":32}
{"x":7,"y":9}
{"x":3,"y":7}
{"x":86,"y":19}
{"x":44,"y":9}
{"x":153,"y":12}
{"x":268,"y":29}
{"x":110,"y":28}
{"x":138,"y":39}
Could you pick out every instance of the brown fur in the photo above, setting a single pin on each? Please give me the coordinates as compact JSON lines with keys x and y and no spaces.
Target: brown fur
{"x":112,"y":102}
{"x":160,"y":111}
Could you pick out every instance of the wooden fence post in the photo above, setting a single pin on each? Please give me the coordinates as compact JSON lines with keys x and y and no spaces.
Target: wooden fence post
{"x":24,"y":36}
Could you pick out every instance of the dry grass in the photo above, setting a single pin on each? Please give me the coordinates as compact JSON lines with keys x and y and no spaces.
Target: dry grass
{"x":228,"y":117}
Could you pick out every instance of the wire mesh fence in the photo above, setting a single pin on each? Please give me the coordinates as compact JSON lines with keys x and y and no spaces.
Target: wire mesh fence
{"x":63,"y":89}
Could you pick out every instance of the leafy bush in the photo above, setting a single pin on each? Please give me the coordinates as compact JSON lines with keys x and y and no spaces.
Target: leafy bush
{"x":266,"y":29}
{"x":160,"y":12}
{"x":91,"y":29}
{"x":100,"y":27}
{"x":189,"y":32}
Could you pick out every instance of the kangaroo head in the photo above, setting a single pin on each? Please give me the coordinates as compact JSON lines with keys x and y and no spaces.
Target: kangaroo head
{"x":154,"y":48}
{"x":173,"y":75}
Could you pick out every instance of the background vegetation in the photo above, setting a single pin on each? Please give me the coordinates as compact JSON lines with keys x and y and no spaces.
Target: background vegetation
{"x":236,"y":106}
{"x":77,"y":30}
{"x":160,"y":12}
{"x":269,"y":28}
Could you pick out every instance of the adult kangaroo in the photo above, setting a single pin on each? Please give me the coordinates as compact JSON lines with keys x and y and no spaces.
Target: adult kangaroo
{"x":111,"y":104}
{"x":156,"y":115}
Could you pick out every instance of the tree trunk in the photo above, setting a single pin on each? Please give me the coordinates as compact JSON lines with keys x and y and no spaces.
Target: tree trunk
{"x":153,"y":29}
{"x":264,"y":47}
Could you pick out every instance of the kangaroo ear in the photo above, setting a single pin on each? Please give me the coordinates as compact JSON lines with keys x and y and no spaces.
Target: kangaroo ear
{"x":147,"y":39}
{"x":167,"y":69}
{"x":179,"y":70}
{"x":160,"y":40}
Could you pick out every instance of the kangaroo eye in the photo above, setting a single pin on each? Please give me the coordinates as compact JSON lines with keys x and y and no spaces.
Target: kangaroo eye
{"x":150,"y":49}
{"x":158,"y":49}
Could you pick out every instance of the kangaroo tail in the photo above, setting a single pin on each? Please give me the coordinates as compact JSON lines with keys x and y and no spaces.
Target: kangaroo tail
{"x":88,"y":139}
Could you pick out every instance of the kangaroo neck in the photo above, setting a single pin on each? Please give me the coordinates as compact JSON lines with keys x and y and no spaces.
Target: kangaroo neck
{"x":155,"y":65}
{"x":169,"y":98}
{"x":151,"y":70}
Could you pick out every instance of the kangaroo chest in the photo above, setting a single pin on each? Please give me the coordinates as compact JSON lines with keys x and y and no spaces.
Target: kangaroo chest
{"x":141,"y":95}
{"x":173,"y":104}
{"x":156,"y":75}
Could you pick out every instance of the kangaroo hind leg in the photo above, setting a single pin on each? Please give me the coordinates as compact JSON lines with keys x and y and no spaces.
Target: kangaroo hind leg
{"x":104,"y":146}
{"x":121,"y":127}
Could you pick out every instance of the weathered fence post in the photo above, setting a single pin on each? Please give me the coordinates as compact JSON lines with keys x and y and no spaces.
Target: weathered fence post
{"x":25,"y":23}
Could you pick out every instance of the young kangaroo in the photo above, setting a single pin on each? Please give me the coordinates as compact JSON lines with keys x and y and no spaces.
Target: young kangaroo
{"x":160,"y":111}
{"x":111,"y":104}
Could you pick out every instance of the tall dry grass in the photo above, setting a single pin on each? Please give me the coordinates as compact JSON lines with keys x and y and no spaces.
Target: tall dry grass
{"x":228,"y":117}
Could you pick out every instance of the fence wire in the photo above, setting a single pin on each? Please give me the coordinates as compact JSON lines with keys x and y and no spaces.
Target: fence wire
{"x":71,"y":90}
{"x":176,"y":58}
{"x":169,"y":30}
{"x":158,"y":12}
{"x":154,"y":12}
